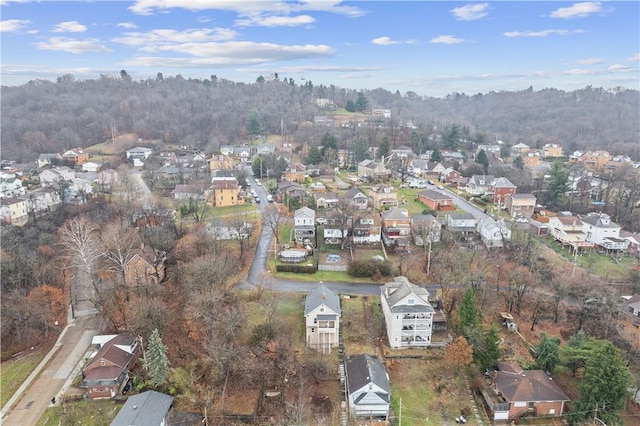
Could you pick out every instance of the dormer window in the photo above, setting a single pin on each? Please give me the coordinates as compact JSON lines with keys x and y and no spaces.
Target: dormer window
{"x":411,"y":302}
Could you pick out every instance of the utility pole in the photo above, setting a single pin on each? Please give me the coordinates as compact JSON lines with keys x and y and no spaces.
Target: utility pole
{"x":400,"y":414}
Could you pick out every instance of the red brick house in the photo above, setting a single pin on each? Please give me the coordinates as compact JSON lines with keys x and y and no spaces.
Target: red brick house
{"x":106,"y":374}
{"x":526,"y":392}
{"x":500,"y":188}
{"x":436,"y":200}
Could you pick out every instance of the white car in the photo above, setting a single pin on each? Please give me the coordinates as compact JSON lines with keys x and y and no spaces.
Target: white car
{"x":521,"y":220}
{"x":321,"y":220}
{"x":258,"y":182}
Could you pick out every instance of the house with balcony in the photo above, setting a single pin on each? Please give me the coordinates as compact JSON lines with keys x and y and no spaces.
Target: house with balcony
{"x":516,"y":392}
{"x":357,"y":199}
{"x":396,"y":227}
{"x":74,"y":157}
{"x":139,"y":153}
{"x":368,"y":388}
{"x":602,"y":232}
{"x":336,"y":227}
{"x":224,"y":192}
{"x":383,"y":196}
{"x":500,"y":188}
{"x":425,"y":229}
{"x":436,"y":200}
{"x":322,"y":314}
{"x":520,"y":205}
{"x":304,"y":220}
{"x":407,"y":313}
{"x":519,"y":149}
{"x":366,"y":229}
{"x":479,"y":184}
{"x":567,"y":230}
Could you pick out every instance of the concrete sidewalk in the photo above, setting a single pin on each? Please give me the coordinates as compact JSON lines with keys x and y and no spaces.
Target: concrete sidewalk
{"x":55,"y":371}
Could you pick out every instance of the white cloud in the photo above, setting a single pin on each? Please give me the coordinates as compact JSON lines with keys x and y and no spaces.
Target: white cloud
{"x":69,"y":27}
{"x":577,"y":10}
{"x":634,"y":58}
{"x":164,"y":36}
{"x":231,"y":53}
{"x":447,"y":39}
{"x":590,"y":61}
{"x":127,"y":25}
{"x":13,"y":25}
{"x":63,"y":44}
{"x":248,"y":8}
{"x":619,"y":67}
{"x":384,"y":41}
{"x":543,"y":33}
{"x":576,"y":72}
{"x":313,"y":68}
{"x":471,"y":12}
{"x":275,"y":21}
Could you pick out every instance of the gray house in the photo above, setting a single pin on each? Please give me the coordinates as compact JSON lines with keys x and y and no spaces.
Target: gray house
{"x":305,"y":225}
{"x":146,"y":409}
{"x":368,"y":387}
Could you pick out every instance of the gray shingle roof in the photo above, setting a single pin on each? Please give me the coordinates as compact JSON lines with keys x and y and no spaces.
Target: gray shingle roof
{"x":322,"y":295}
{"x":400,"y":288}
{"x":145,"y":409}
{"x":365,"y":369}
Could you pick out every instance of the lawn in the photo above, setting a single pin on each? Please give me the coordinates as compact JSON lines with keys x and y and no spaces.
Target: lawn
{"x":15,"y":372}
{"x":359,"y":324}
{"x":96,"y":412}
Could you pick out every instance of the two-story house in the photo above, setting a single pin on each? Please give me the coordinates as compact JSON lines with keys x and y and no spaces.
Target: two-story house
{"x":336,"y":227}
{"x":304,"y":220}
{"x":221,"y":162}
{"x":46,"y":159}
{"x":74,"y":157}
{"x":368,"y":387}
{"x":50,"y":176}
{"x":519,"y":149}
{"x":500,"y":188}
{"x":567,"y":230}
{"x":224,"y":191}
{"x":479,"y":184}
{"x":396,"y":227}
{"x":14,"y":211}
{"x":407,"y":313}
{"x":356,"y":198}
{"x":139,"y":153}
{"x":327,"y":200}
{"x":295,"y":173}
{"x":383,"y":196}
{"x":322,"y":314}
{"x":461,"y":222}
{"x":552,"y":150}
{"x":520,"y":205}
{"x":106,"y":374}
{"x":367,"y":230}
{"x":145,"y":267}
{"x":372,"y":170}
{"x":493,"y":233}
{"x":602,"y":232}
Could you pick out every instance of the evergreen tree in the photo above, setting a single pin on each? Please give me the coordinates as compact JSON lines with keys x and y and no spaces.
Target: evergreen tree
{"x":469,"y":315}
{"x":574,"y":354}
{"x":487,"y":356}
{"x":328,"y":141}
{"x":558,"y":185}
{"x":436,"y":156}
{"x":362,"y":102}
{"x":254,"y":123}
{"x":481,"y":158}
{"x":452,"y":136}
{"x":604,"y":386}
{"x":350,"y":106}
{"x":314,"y":156}
{"x":383,"y":149}
{"x":518,"y":163}
{"x":360,"y":151}
{"x":156,"y":361}
{"x":548,"y":356}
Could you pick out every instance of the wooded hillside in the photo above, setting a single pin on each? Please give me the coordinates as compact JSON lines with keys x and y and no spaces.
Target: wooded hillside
{"x":43,"y":116}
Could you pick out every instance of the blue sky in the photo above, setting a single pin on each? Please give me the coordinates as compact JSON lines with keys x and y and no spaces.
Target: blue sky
{"x":431,"y":48}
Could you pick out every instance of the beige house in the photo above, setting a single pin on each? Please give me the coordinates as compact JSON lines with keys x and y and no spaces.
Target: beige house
{"x":221,"y":162}
{"x":567,"y":230}
{"x":552,"y":150}
{"x":322,"y":318}
{"x":371,"y":169}
{"x":383,"y":196}
{"x":520,"y":205}
{"x":13,"y":211}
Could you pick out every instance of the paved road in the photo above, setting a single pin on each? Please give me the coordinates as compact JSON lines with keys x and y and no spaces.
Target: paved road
{"x":460,"y":202}
{"x":53,"y":375}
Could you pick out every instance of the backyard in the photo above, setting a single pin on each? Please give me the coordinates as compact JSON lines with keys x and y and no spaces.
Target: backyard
{"x":15,"y":371}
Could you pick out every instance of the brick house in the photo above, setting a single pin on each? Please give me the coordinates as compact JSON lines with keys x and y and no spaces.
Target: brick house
{"x":436,"y":200}
{"x":106,"y":374}
{"x":501,"y":187}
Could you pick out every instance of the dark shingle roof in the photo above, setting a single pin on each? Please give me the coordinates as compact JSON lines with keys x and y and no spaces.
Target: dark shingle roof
{"x":365,"y":369}
{"x":322,"y":295}
{"x":145,"y":409}
{"x":528,"y":386}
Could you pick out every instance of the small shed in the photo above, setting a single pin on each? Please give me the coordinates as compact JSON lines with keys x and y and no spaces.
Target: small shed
{"x":508,"y":321}
{"x":538,"y":228}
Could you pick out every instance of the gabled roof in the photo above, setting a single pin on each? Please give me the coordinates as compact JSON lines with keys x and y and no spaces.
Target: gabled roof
{"x":481,"y":179}
{"x":327,"y":196}
{"x":599,"y":220}
{"x":522,"y":196}
{"x":304,"y":211}
{"x":364,"y":369}
{"x":417,"y":219}
{"x":147,"y":408}
{"x":322,"y":296}
{"x":397,"y":290}
{"x":354,"y":193}
{"x":460,"y":216}
{"x":528,"y":386}
{"x":397,"y":213}
{"x":502,"y":182}
{"x":116,"y":351}
{"x":634,"y":302}
{"x":434,"y":195}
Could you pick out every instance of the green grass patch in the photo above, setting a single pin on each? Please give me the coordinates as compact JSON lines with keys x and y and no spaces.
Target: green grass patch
{"x":286,"y":233}
{"x":99,"y":412}
{"x":325,"y":276}
{"x":233,"y":210}
{"x":15,"y":372}
{"x":357,"y":322}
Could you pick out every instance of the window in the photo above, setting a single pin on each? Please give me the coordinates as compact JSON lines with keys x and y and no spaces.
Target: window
{"x":552,"y":411}
{"x":313,"y":330}
{"x":411,"y":302}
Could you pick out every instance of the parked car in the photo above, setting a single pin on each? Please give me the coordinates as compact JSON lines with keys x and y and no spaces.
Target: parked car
{"x":321,"y":220}
{"x":521,"y":220}
{"x":270,"y":198}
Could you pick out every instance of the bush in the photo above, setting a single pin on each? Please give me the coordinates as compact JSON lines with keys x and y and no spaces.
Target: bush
{"x":369,"y":268}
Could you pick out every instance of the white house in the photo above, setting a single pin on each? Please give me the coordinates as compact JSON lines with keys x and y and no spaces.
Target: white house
{"x":367,"y":230}
{"x":368,"y":387}
{"x":407,"y":313}
{"x":461,"y":222}
{"x":425,"y":229}
{"x":479,"y":184}
{"x":601,"y":231}
{"x":304,"y":220}
{"x":229,"y":231}
{"x":322,"y":314}
{"x":356,"y":198}
{"x":139,"y":153}
{"x":493,"y":234}
{"x":11,"y":187}
{"x":568,"y":231}
{"x":13,"y":211}
{"x":50,"y":176}
{"x":91,"y":167}
{"x":42,"y":200}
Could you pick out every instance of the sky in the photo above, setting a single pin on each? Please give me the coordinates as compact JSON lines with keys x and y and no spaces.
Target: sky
{"x":432,"y":48}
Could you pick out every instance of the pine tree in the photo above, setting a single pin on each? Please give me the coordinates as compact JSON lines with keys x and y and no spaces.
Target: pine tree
{"x":548,"y":356}
{"x":436,"y":156}
{"x":482,"y":159}
{"x":156,"y":361}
